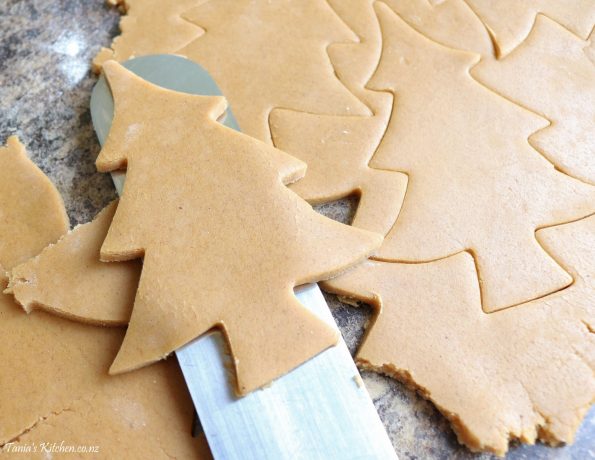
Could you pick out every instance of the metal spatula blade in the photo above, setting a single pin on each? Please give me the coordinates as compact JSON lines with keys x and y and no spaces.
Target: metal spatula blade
{"x":321,"y":410}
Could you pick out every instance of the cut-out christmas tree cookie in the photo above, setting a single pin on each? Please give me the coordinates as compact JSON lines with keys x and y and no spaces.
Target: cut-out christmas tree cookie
{"x":68,"y":279}
{"x":475,"y":183}
{"x":224,"y":241}
{"x":510,"y":21}
{"x":337,"y":149}
{"x":150,"y":27}
{"x":449,"y":22}
{"x":55,"y":385}
{"x":524,"y":373}
{"x":550,"y":73}
{"x":31,"y":208}
{"x":268,"y":54}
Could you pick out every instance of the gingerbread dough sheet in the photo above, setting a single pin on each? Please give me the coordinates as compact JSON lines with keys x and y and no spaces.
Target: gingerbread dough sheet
{"x":550,"y":74}
{"x":54,"y":385}
{"x":475,"y":183}
{"x":56,"y":388}
{"x":510,"y":21}
{"x":89,"y":290}
{"x":228,"y":247}
{"x":32,"y":211}
{"x":523,"y":373}
{"x":353,"y":61}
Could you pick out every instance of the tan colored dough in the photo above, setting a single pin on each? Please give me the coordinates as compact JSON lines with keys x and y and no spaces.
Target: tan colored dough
{"x":590,"y":48}
{"x":269,"y":54}
{"x":510,"y":21}
{"x":337,"y":149}
{"x":54,"y":384}
{"x":89,"y":290}
{"x":523,"y":373}
{"x":150,"y":27}
{"x":475,"y":183}
{"x":550,"y":73}
{"x":325,"y":148}
{"x":224,"y":241}
{"x":55,"y":387}
{"x":339,"y":144}
{"x":449,"y":22}
{"x":32,"y":212}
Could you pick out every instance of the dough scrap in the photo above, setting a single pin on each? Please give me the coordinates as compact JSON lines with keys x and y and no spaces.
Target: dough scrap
{"x":337,"y":149}
{"x":475,"y":183}
{"x":524,"y":373}
{"x":510,"y":21}
{"x":55,"y":388}
{"x":53,"y":367}
{"x":231,"y":235}
{"x":31,"y":209}
{"x":88,"y":290}
{"x":150,"y":27}
{"x":121,"y":414}
{"x":272,"y":54}
{"x":550,"y":74}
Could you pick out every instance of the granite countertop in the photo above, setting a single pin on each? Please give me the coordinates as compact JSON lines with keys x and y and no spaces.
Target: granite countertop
{"x":45,"y":84}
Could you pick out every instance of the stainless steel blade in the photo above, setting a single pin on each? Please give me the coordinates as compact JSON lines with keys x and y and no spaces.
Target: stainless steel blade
{"x":321,"y":410}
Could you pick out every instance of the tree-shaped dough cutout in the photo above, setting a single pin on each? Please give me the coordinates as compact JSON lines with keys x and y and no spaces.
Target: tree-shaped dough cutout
{"x":475,"y":183}
{"x":551,"y":74}
{"x":224,"y":240}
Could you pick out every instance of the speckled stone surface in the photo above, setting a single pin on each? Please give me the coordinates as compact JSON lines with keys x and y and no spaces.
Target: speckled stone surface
{"x":46,"y":48}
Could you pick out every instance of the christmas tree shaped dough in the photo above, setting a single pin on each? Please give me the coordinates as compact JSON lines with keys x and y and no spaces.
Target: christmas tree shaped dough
{"x":150,"y":27}
{"x":32,"y":213}
{"x":68,"y":279}
{"x":337,"y":149}
{"x":224,"y":241}
{"x":523,"y":373}
{"x":510,"y":21}
{"x":550,"y":73}
{"x":54,"y":386}
{"x":267,"y":54}
{"x":475,"y":183}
